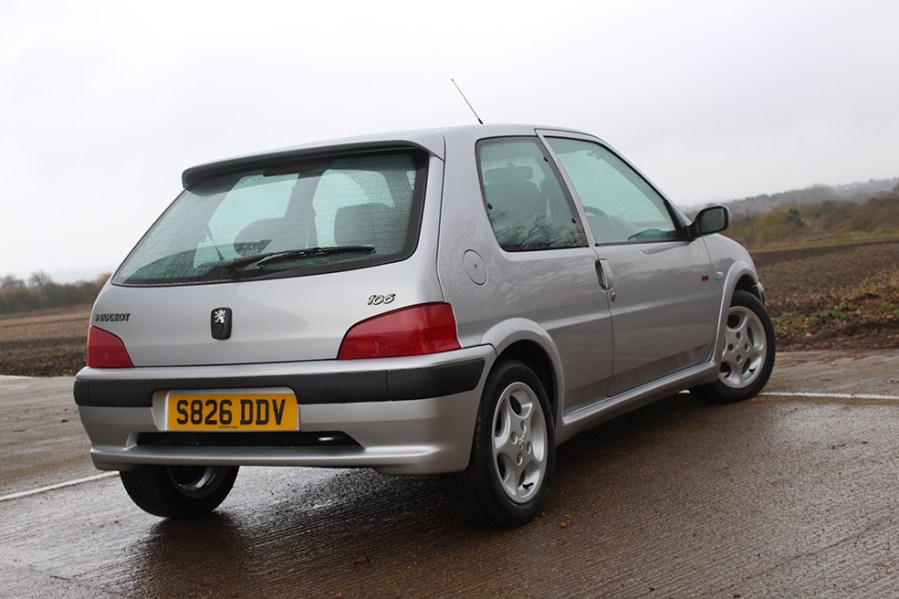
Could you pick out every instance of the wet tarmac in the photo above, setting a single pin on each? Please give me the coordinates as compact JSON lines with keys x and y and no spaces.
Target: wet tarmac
{"x":792,"y":494}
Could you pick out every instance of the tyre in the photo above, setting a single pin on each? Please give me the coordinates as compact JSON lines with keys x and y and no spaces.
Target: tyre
{"x":748,"y":355}
{"x":179,"y":491}
{"x":513,"y":451}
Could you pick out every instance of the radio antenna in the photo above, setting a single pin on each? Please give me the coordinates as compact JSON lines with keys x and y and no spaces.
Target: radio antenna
{"x":467,"y":102}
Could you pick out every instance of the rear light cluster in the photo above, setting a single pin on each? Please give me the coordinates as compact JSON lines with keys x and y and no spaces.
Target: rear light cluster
{"x":105,"y":350}
{"x":412,"y":331}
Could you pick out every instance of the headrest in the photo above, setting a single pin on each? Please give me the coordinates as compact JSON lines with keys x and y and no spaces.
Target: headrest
{"x":508,"y":174}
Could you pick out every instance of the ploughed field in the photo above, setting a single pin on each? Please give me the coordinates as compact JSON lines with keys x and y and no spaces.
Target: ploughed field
{"x":833,"y":297}
{"x":44,"y":343}
{"x":822,"y":297}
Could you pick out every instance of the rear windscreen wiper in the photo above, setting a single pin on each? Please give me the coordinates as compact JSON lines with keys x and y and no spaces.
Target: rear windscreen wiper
{"x":259,"y":260}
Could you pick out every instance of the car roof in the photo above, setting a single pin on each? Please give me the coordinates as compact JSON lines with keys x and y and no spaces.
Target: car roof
{"x":434,"y":141}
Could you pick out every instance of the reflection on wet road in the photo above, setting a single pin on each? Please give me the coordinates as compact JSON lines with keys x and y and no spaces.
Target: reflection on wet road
{"x":779,"y":496}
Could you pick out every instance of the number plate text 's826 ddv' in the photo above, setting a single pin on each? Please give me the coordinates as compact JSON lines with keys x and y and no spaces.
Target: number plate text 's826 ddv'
{"x":209,"y":411}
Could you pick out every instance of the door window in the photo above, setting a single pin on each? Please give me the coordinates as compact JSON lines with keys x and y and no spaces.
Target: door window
{"x":621,"y":206}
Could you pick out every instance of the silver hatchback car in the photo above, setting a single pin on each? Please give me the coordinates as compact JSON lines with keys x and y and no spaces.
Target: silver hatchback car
{"x":455,"y":301}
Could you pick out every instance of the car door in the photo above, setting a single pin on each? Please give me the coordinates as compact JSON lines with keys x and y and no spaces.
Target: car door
{"x":545,"y":272}
{"x":662,"y":295}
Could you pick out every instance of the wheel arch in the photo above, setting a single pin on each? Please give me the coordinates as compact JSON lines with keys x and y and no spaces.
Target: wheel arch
{"x":523,"y":340}
{"x":750,"y":284}
{"x":741,"y":276}
{"x":750,"y":354}
{"x":533,"y":356}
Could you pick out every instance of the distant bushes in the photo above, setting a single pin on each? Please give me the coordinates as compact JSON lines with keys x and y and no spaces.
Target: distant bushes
{"x":40,"y":292}
{"x":827,"y":218}
{"x":857,"y":193}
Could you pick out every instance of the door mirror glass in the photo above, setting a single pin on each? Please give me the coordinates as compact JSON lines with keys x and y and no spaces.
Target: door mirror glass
{"x":711,"y":220}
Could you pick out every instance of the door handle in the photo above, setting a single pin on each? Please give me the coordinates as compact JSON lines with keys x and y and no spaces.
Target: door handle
{"x":604,"y":274}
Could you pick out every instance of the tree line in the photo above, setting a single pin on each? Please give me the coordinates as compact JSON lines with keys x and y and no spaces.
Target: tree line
{"x":857,"y":193}
{"x":40,"y":292}
{"x":879,"y":215}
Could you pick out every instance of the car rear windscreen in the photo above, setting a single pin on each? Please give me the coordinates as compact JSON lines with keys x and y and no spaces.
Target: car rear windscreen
{"x":308,"y":216}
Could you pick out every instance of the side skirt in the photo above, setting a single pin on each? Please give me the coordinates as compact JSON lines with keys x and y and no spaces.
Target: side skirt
{"x":605,"y":409}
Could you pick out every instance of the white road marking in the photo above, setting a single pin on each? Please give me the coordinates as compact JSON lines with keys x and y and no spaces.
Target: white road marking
{"x":69,"y":483}
{"x":88,"y":479}
{"x":832,"y":395}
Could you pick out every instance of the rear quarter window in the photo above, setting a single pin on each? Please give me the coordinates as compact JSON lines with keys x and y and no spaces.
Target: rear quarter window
{"x":525,"y":201}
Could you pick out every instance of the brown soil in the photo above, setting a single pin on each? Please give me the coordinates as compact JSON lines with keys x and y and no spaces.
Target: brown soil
{"x":833,"y":297}
{"x":843,"y":296}
{"x":45,"y":343}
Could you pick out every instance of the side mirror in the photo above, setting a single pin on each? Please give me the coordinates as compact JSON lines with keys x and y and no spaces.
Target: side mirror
{"x":710,"y":220}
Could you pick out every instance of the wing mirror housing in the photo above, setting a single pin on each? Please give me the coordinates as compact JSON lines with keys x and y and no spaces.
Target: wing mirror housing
{"x":710,"y":220}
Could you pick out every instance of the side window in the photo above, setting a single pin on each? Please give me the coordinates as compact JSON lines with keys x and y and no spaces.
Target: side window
{"x":527,"y":208}
{"x":620,"y":205}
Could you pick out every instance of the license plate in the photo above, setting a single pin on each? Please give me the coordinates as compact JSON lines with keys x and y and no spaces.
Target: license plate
{"x":238,"y":411}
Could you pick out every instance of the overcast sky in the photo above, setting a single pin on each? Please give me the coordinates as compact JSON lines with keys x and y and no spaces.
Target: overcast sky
{"x":103,"y":104}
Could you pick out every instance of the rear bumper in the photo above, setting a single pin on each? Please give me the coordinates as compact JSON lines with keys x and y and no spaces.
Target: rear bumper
{"x":415,"y":417}
{"x":97,"y":387}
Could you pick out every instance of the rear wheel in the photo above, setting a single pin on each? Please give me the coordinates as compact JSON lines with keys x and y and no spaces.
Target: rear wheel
{"x":179,"y":491}
{"x":748,"y":355}
{"x":513,"y":453}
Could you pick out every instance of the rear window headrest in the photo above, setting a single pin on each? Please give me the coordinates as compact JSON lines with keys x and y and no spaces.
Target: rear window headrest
{"x":508,"y":174}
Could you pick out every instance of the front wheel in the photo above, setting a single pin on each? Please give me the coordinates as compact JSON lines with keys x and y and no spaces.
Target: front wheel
{"x":179,"y":491}
{"x":747,"y":358}
{"x":513,"y":452}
